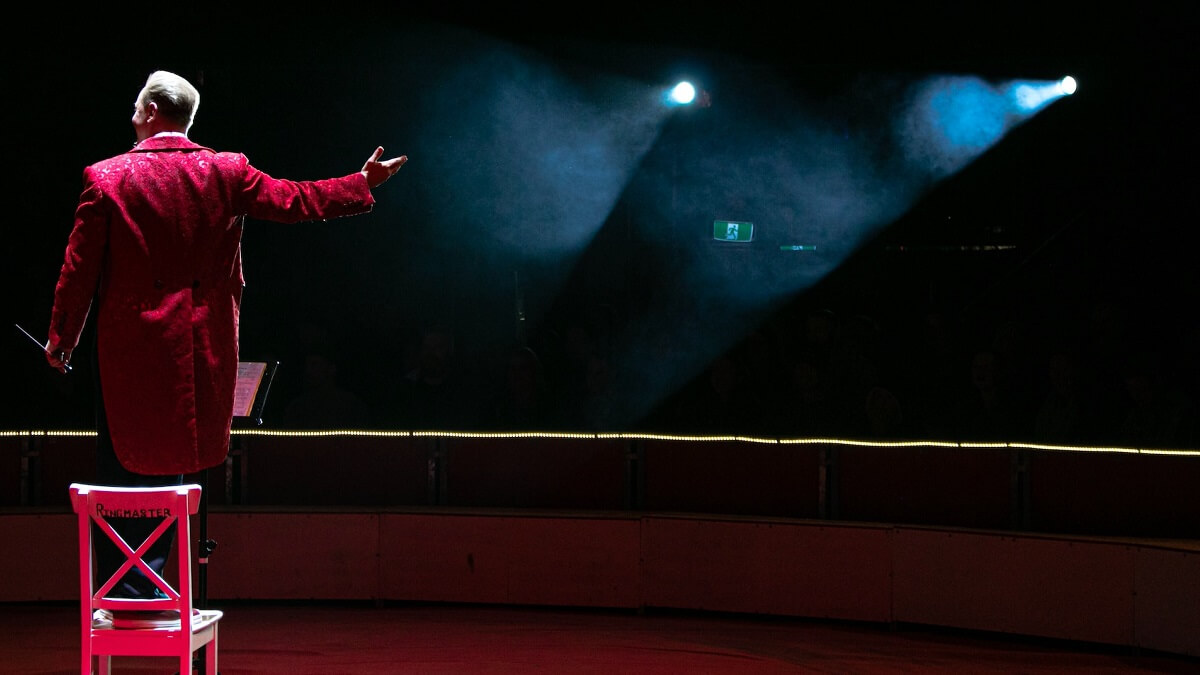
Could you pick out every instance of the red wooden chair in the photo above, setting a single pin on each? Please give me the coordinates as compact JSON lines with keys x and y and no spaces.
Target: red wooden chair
{"x":113,"y":626}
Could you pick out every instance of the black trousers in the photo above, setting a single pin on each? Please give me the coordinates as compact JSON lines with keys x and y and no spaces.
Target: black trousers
{"x":134,"y":531}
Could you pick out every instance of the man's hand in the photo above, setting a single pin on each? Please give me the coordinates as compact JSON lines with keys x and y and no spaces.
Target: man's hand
{"x":377,"y":172}
{"x":59,"y":359}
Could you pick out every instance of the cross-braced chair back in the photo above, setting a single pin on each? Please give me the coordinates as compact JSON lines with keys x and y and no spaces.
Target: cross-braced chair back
{"x":97,"y":507}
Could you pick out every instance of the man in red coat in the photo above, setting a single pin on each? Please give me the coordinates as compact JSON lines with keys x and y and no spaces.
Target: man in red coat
{"x":156,"y":249}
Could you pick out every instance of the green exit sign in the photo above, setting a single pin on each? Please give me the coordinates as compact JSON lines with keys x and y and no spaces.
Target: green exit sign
{"x":733,"y":230}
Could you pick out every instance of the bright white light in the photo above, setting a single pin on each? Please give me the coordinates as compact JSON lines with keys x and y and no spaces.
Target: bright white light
{"x":683,"y":93}
{"x":1067,"y":85}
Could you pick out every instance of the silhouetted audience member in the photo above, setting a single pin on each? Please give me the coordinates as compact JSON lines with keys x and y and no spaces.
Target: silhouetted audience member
{"x":884,"y":416}
{"x":323,"y":403}
{"x":932,"y":373}
{"x":1017,"y":369}
{"x":852,"y":362}
{"x":989,"y":410}
{"x":1106,"y":342}
{"x":524,"y":401}
{"x":715,"y":402}
{"x":1157,"y":416}
{"x":1066,"y":414}
{"x":807,"y":407}
{"x":818,"y":335}
{"x":436,"y":393}
{"x":569,"y":351}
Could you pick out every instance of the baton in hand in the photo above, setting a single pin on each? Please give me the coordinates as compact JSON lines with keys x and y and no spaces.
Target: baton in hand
{"x":66,"y":366}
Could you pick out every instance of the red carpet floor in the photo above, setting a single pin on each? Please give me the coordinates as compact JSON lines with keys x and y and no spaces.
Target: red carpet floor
{"x":259,"y":638}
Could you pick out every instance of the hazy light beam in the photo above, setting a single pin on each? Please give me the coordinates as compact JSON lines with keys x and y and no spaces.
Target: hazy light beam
{"x":803,"y":177}
{"x":527,"y":160}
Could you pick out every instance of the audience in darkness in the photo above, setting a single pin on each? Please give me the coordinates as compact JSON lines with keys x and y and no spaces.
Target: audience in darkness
{"x":1100,"y":374}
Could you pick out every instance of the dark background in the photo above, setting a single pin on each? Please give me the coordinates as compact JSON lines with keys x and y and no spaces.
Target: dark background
{"x":1090,"y":202}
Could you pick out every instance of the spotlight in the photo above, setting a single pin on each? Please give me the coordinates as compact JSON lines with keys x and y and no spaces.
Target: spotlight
{"x":686,"y":94}
{"x":1030,"y":96}
{"x":683,"y":93}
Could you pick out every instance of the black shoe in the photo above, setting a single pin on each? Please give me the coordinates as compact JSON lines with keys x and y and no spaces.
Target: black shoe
{"x":102,"y":618}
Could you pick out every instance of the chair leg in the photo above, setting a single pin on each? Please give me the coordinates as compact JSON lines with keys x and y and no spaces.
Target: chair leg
{"x":105,"y":663}
{"x":210,"y":654}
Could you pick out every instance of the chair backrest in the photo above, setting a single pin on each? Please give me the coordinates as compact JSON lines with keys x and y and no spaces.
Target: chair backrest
{"x":96,"y":506}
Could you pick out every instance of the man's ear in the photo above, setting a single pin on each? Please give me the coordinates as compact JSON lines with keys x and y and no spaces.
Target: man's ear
{"x":151,"y":110}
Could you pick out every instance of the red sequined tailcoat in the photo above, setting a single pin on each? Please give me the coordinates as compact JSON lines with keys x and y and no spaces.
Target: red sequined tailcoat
{"x":157,"y":244}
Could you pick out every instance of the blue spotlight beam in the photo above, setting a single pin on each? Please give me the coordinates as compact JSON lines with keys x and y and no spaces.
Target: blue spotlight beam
{"x":953,"y":120}
{"x":1029,"y":97}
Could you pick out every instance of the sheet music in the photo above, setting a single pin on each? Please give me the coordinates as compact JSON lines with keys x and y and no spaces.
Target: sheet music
{"x":249,"y":378}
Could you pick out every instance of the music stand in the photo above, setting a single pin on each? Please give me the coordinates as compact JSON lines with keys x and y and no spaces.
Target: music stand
{"x":249,"y":397}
